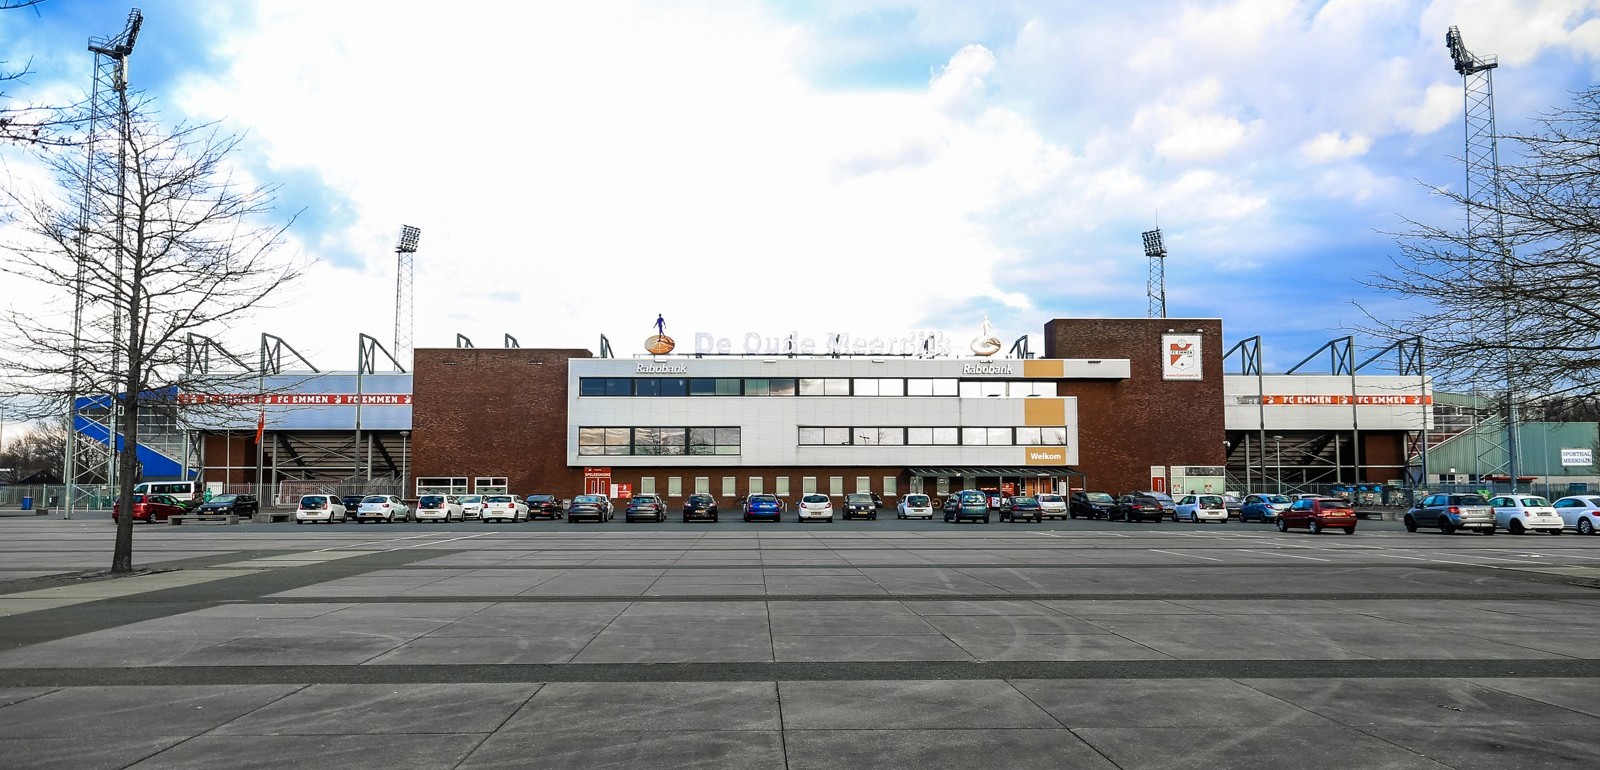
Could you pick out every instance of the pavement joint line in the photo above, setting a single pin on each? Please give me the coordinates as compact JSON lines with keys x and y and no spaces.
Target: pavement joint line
{"x":129,"y":586}
{"x":1287,"y":555}
{"x":148,"y":676}
{"x":752,"y":598}
{"x":1190,"y":555}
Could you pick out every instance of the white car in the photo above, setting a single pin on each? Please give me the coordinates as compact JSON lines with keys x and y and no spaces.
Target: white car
{"x":815,"y":507}
{"x":1200,"y":509}
{"x":1580,"y":512}
{"x":915,"y":506}
{"x":445,"y":508}
{"x":503,"y":508}
{"x":324,"y":508}
{"x":1052,"y":506}
{"x":471,"y":506}
{"x":1520,"y":514}
{"x":384,"y":508}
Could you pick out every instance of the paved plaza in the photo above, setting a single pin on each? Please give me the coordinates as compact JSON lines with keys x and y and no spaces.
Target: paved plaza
{"x":859,"y":645}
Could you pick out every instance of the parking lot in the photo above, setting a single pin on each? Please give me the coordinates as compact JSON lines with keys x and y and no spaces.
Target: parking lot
{"x":880,"y":643}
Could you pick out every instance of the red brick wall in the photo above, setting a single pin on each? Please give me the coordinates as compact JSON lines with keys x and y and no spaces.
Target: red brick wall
{"x":493,"y":412}
{"x":1126,"y":426}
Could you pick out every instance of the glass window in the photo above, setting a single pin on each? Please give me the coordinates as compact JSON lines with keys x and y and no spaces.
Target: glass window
{"x":783,"y":386}
{"x":727,"y":386}
{"x":1028,"y":436}
{"x":811,"y":437}
{"x":780,"y":486}
{"x":619,"y":386}
{"x":945,"y":387}
{"x":811,"y":386}
{"x":941,"y":486}
{"x":919,"y":387}
{"x":674,"y":386}
{"x":674,"y":441}
{"x":702,"y":441}
{"x":836,"y":386}
{"x":702,"y":485}
{"x":971,"y":389}
{"x":647,"y":485}
{"x":890,"y":487}
{"x":892,"y":387}
{"x":591,"y":386}
{"x":808,"y":484}
{"x":974,"y":436}
{"x":756,"y":485}
{"x":835,"y":436}
{"x":982,"y":389}
{"x":757,"y":386}
{"x":891,"y":436}
{"x":675,"y":486}
{"x":647,"y":441}
{"x":1053,"y":436}
{"x":946,"y":437}
{"x":863,"y":484}
{"x":919,"y":436}
{"x":647,"y":386}
{"x":702,"y":386}
{"x":836,"y":485}
{"x":730,"y":486}
{"x":866,"y":387}
{"x":864,"y":436}
{"x":998,"y":436}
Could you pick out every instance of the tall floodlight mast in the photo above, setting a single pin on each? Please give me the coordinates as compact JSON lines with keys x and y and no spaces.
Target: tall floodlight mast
{"x":108,"y":110}
{"x":404,"y":250}
{"x":1156,"y":285}
{"x":1485,"y":224}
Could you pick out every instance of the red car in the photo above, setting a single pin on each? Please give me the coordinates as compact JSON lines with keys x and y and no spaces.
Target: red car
{"x":1317,"y":514}
{"x":151,"y":508}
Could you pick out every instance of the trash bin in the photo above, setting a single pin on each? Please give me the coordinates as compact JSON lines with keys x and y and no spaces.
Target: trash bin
{"x":27,"y":503}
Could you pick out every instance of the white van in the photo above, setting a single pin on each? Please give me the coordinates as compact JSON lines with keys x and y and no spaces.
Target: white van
{"x":187,"y":492}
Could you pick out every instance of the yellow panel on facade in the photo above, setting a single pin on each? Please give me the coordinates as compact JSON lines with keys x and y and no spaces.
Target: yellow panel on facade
{"x":1046,"y":455}
{"x":1050,"y":412}
{"x":1044,"y":368}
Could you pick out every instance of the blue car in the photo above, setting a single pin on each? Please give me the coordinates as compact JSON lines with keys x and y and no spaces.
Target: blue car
{"x":1263,"y":507}
{"x":763,"y":508}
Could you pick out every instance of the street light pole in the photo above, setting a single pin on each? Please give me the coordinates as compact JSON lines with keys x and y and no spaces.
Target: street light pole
{"x":1277,"y":444}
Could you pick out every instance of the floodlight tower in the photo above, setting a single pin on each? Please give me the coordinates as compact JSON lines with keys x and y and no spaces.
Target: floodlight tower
{"x":1156,"y":285}
{"x":108,"y":110}
{"x":402,"y":290}
{"x":1485,"y":223}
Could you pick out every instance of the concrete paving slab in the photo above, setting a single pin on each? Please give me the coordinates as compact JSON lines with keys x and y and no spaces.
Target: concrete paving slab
{"x":134,"y":711}
{"x":1208,"y":748}
{"x":1395,"y":703}
{"x":1581,"y":695}
{"x":955,"y":749}
{"x":1056,"y":647}
{"x":348,"y":752}
{"x":1207,"y":702}
{"x":105,"y":752}
{"x":10,"y":695}
{"x":648,"y":707}
{"x":10,"y":606}
{"x":1012,"y":625}
{"x":908,"y":705}
{"x":899,"y":647}
{"x":844,"y":618}
{"x":698,"y":750}
{"x":1480,"y":749}
{"x":359,"y":709}
{"x":476,"y":650}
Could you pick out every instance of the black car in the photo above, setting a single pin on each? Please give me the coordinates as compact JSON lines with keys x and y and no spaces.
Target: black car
{"x":352,"y":503}
{"x":1021,"y":507}
{"x":1091,"y":505}
{"x":859,"y":505}
{"x":700,"y":506}
{"x":645,"y":507}
{"x":548,"y":506}
{"x":1138,"y":508}
{"x":239,"y":505}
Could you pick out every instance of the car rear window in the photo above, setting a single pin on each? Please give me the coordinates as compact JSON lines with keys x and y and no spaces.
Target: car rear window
{"x":374,"y":499}
{"x":313,"y":501}
{"x":916,"y":499}
{"x":1335,"y":504}
{"x":586,"y":499}
{"x":1023,"y":501}
{"x":497,"y":498}
{"x":1468,"y":500}
{"x":431,"y":501}
{"x":541,"y":498}
{"x":1535,"y":502}
{"x":815,"y":498}
{"x":858,"y":497}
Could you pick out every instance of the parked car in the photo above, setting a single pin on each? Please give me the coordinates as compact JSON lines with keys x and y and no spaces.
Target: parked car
{"x":1138,"y":506}
{"x":188,"y":494}
{"x":817,"y":507}
{"x":472,"y":506}
{"x":1521,"y":514}
{"x":324,"y":508}
{"x":1580,"y":512}
{"x":1263,"y":507}
{"x":238,"y":505}
{"x":503,"y":508}
{"x":441,"y":508}
{"x":877,"y":500}
{"x":543,"y":506}
{"x":949,"y":506}
{"x":1091,"y":505}
{"x":763,"y":507}
{"x":914,"y":506}
{"x":859,"y":505}
{"x":1317,"y":514}
{"x":587,"y":508}
{"x":969,"y":504}
{"x":150,"y":508}
{"x":385,"y":508}
{"x":605,"y":500}
{"x":645,"y":507}
{"x":1200,"y":509}
{"x":700,"y":506}
{"x":1450,"y":513}
{"x":1053,"y":506}
{"x":1021,"y":507}
{"x":1232,"y":503}
{"x":352,"y":503}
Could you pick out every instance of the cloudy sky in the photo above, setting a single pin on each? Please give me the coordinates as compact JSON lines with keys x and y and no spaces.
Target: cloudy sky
{"x":873,"y":167}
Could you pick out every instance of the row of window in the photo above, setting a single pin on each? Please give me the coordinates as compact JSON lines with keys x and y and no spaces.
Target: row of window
{"x":658,"y":441}
{"x":811,"y":386}
{"x":756,"y":485}
{"x":933,"y":436}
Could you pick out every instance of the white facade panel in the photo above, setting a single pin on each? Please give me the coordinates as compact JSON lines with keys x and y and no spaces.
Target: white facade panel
{"x":1327,"y":402}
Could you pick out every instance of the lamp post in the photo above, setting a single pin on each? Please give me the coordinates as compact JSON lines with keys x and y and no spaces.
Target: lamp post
{"x":405,"y":458}
{"x":1277,"y":444}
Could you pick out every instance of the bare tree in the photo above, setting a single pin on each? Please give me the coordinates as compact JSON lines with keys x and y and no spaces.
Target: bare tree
{"x":162,"y":243}
{"x":39,"y":451}
{"x":1526,"y":311}
{"x":28,"y":124}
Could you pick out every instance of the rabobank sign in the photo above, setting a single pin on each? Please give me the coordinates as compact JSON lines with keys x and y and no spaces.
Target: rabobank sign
{"x":1003,"y":369}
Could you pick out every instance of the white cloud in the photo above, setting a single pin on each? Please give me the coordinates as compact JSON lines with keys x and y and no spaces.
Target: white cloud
{"x":1334,"y":145}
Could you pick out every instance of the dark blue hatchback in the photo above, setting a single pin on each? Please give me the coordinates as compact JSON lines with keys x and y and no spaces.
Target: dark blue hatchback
{"x":763,"y":508}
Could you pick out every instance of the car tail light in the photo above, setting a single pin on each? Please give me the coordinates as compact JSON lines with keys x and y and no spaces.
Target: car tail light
{"x":1454,"y":510}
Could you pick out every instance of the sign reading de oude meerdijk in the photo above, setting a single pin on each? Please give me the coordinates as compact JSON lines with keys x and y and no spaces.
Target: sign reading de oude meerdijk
{"x":919,"y":344}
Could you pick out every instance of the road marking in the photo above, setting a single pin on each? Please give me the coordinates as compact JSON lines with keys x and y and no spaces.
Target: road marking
{"x":450,"y":540}
{"x":1290,"y":555}
{"x":1192,"y":556}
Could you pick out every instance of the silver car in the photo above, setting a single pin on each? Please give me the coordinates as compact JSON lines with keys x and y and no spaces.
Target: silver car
{"x":1449,"y":513}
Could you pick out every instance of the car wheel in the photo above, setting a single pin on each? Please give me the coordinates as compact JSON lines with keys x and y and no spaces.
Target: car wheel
{"x":1314,"y":527}
{"x":1585,"y":527}
{"x":1445,"y":527}
{"x":1411,"y":524}
{"x":1349,"y":530}
{"x":986,"y":518}
{"x":1283,"y":526}
{"x":1516,"y":528}
{"x":1489,"y":531}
